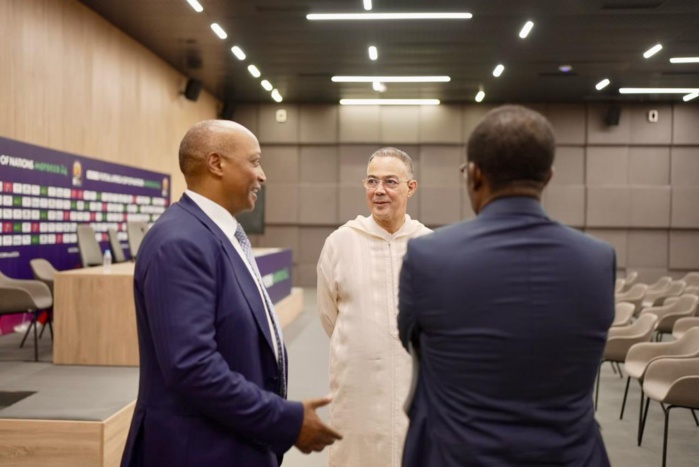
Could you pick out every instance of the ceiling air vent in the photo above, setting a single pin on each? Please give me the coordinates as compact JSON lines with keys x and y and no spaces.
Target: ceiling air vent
{"x":633,"y":5}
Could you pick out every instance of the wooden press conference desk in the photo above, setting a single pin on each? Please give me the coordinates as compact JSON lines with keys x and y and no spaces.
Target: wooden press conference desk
{"x":95,"y":315}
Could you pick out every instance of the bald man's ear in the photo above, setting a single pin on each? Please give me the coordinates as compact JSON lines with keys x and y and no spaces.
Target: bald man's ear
{"x":412,"y":186}
{"x":214,"y":164}
{"x":475,"y":176}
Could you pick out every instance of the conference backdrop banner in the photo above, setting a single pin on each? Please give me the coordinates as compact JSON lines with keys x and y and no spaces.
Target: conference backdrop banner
{"x":45,"y":194}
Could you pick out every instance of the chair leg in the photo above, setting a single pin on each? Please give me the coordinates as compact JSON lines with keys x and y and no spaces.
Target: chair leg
{"x":29,"y":329}
{"x":644,"y":417}
{"x":613,"y":367}
{"x":667,"y":425}
{"x":621,"y":373}
{"x":50,"y":329}
{"x":36,"y":338}
{"x":623,"y":403}
{"x":694,"y":414}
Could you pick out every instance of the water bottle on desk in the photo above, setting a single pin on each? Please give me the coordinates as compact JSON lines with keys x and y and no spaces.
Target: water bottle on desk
{"x":107,"y":261}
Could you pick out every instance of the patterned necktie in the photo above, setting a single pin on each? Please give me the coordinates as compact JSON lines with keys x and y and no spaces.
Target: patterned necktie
{"x":281,"y":361}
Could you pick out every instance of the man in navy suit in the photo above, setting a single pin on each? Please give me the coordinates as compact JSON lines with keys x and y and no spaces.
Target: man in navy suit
{"x":509,"y":315}
{"x":213,"y":364}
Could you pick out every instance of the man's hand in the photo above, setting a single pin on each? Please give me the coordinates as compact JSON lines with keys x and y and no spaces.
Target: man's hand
{"x":315,"y":435}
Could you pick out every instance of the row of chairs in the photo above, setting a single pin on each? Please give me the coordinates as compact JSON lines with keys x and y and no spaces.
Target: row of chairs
{"x":667,"y":372}
{"x":91,"y":253}
{"x":644,"y":295}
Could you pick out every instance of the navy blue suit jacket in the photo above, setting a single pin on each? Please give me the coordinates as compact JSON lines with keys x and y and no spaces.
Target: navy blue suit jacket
{"x":510,"y":313}
{"x":208,"y":378}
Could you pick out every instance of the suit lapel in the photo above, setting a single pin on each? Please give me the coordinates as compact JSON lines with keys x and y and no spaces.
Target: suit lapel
{"x":241,"y":273}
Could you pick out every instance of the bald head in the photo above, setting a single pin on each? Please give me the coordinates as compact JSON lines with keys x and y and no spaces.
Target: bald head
{"x":206,"y":137}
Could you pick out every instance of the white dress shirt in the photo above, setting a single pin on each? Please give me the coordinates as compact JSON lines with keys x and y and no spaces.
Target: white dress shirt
{"x":228,"y":224}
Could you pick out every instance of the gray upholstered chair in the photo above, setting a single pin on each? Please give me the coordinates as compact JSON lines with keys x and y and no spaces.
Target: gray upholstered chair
{"x":674,"y":382}
{"x":25,"y":296}
{"x":115,"y":246}
{"x":90,"y":252}
{"x":136,"y":232}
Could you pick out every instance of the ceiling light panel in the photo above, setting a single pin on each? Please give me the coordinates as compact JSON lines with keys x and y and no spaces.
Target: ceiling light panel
{"x":657,"y":90}
{"x":684,"y":60}
{"x":384,"y":16}
{"x":238,"y":52}
{"x":254,"y":71}
{"x":389,"y":101}
{"x":196,"y":5}
{"x":526,"y":29}
{"x":391,"y":79}
{"x":276,"y":96}
{"x":691,"y":96}
{"x":498,"y":70}
{"x":367,"y":5}
{"x":267,"y":85}
{"x":652,"y":51}
{"x":480,"y":96}
{"x":373,"y":53}
{"x":218,"y":30}
{"x":602,"y":84}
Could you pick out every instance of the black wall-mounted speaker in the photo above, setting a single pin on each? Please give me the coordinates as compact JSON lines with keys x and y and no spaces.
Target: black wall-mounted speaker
{"x":228,"y":111}
{"x":613,"y":115}
{"x":192,"y":90}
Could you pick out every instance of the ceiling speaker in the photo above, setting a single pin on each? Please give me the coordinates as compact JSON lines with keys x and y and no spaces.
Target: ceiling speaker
{"x":613,"y":115}
{"x":192,"y":90}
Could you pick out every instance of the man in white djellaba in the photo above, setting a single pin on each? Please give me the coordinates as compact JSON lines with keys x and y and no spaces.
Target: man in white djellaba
{"x":370,"y":372}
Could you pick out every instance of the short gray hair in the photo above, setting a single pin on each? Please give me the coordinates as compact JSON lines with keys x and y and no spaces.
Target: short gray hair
{"x":398,"y":154}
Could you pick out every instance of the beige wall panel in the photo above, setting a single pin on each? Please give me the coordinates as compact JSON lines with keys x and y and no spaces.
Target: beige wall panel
{"x":439,"y":205}
{"x":645,"y":132}
{"x":319,"y":164}
{"x":439,"y":166}
{"x":352,"y":202}
{"x":306,"y":275}
{"x":281,"y":203}
{"x":272,"y":132}
{"x":684,"y":250}
{"x":568,"y":123}
{"x":280,"y":163}
{"x":566,"y":204}
{"x":400,"y":124}
{"x":569,"y":166}
{"x":77,"y":84}
{"x":281,"y":237}
{"x":311,"y":241}
{"x":353,"y":163}
{"x":247,"y":115}
{"x":607,"y":165}
{"x":649,"y":275}
{"x":618,"y":238}
{"x":608,"y":206}
{"x":441,"y":124}
{"x":649,"y":165}
{"x":649,"y":206}
{"x":319,"y":124}
{"x":414,"y":208}
{"x":685,"y":123}
{"x":318,"y":203}
{"x":648,"y":248}
{"x":599,"y":133}
{"x":359,"y":124}
{"x":685,"y":207}
{"x":472,"y":115}
{"x":685,"y":166}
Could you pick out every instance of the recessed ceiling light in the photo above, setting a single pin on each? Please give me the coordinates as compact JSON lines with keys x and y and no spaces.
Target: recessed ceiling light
{"x":389,"y":101}
{"x":196,"y":5}
{"x":652,"y":51}
{"x":219,"y":31}
{"x":480,"y":96}
{"x":498,"y":70}
{"x":378,"y":86}
{"x":254,"y":71}
{"x":565,"y":68}
{"x":691,"y":96}
{"x":391,"y":79}
{"x":373,"y":53}
{"x":276,"y":96}
{"x":267,"y":85}
{"x":526,"y":29}
{"x":388,"y":16}
{"x":367,"y":4}
{"x":684,"y":60}
{"x":238,"y":52}
{"x":657,"y":90}
{"x":602,"y":84}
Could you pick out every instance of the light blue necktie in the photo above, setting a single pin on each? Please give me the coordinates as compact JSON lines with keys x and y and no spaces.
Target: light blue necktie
{"x":281,"y":361}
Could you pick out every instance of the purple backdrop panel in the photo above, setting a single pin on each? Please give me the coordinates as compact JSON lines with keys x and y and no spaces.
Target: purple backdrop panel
{"x":45,"y":194}
{"x":275,"y":269}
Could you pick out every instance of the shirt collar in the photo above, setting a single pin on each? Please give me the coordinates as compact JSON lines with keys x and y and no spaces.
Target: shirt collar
{"x":217,"y":213}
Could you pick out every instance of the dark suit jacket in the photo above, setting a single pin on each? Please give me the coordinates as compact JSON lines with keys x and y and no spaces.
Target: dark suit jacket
{"x":510,"y":312}
{"x":209,"y":378}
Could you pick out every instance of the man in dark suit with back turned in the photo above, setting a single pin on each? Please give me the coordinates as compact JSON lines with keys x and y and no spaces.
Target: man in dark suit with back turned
{"x":509,"y":314}
{"x":213,"y":365}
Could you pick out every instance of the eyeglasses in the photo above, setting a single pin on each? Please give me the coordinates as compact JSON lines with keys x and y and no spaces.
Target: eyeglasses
{"x":372,"y":183}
